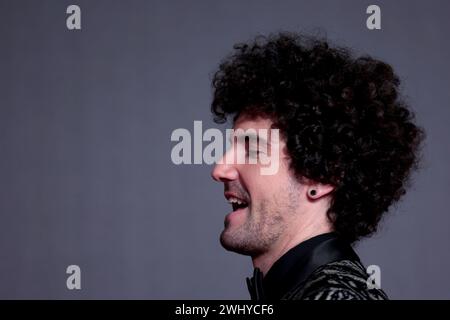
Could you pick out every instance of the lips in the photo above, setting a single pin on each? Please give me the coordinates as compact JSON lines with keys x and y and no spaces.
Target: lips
{"x":235,"y":201}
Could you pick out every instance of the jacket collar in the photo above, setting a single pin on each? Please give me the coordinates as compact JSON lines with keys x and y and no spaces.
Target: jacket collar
{"x":297,"y":264}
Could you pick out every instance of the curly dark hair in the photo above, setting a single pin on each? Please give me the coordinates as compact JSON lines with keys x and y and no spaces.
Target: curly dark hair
{"x":342,"y":117}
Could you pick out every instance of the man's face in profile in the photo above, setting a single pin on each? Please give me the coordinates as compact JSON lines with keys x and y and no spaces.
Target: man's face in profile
{"x":263,"y":206}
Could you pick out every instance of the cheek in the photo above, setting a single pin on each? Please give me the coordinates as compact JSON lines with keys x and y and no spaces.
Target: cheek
{"x":262,"y":186}
{"x":252,"y":178}
{"x":267,"y":186}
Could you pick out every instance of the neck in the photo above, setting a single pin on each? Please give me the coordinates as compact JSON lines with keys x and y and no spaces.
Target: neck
{"x":296,"y":236}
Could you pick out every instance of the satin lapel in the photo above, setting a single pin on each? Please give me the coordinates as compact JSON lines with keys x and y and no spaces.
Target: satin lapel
{"x":329,"y":251}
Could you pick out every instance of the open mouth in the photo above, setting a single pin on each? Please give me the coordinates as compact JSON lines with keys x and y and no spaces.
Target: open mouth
{"x":237,"y":203}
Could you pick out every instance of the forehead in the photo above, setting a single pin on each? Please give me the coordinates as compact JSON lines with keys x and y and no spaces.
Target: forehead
{"x":248,"y":122}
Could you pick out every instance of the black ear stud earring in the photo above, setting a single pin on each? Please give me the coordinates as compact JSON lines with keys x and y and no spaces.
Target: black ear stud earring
{"x":312,"y":192}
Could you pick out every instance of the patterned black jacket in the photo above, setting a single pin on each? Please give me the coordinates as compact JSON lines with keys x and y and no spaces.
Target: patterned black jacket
{"x":321,"y":268}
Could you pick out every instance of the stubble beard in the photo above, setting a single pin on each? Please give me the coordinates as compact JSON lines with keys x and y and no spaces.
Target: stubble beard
{"x":264,"y":225}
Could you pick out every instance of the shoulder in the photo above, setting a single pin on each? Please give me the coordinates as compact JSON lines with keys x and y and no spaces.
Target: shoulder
{"x":341,"y":280}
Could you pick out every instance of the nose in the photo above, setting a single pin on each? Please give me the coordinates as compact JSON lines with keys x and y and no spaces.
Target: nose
{"x":224,"y":172}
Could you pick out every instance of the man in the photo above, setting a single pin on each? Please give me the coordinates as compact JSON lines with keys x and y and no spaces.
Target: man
{"x":347,"y":146}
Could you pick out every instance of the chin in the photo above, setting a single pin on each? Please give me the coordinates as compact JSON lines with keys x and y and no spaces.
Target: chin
{"x":236,"y":245}
{"x":231,"y":244}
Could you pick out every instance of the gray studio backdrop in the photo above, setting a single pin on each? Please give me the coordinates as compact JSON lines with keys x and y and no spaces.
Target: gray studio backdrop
{"x":86,"y":116}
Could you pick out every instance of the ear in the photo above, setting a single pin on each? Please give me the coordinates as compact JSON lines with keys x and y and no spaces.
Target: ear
{"x":316,"y":191}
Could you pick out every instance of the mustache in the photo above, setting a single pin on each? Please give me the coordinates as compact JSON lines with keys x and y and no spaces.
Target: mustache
{"x":237,"y":189}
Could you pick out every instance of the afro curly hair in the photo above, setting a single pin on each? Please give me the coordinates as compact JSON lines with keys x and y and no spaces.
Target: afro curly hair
{"x":342,"y":118}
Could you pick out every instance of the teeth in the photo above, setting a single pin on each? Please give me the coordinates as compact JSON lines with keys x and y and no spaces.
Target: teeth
{"x":235,"y":200}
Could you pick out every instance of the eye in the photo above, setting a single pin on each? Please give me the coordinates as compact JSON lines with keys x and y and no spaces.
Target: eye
{"x":251,"y":150}
{"x":253,"y":153}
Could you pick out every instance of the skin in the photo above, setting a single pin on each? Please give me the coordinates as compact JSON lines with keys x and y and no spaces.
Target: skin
{"x":280,"y":213}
